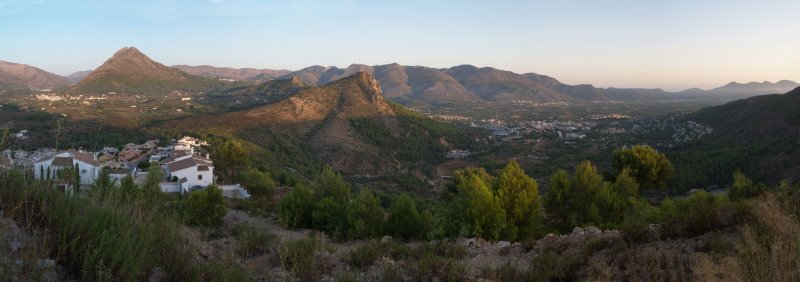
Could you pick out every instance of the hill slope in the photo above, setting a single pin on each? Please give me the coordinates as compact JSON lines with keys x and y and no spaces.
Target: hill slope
{"x":232,"y":73}
{"x":130,"y":71}
{"x":468,"y":84}
{"x":758,"y":135}
{"x":347,"y":123}
{"x":24,"y":76}
{"x":742,"y":90}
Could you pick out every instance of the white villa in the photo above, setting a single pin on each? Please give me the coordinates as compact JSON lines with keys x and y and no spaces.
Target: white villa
{"x":86,"y":163}
{"x":190,"y":169}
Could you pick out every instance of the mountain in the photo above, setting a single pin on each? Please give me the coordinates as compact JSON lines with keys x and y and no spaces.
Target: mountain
{"x":469,"y":84}
{"x":737,"y":90}
{"x":76,"y":77}
{"x":24,"y":76}
{"x":758,"y":135}
{"x":274,"y":88}
{"x":129,"y":71}
{"x":232,"y":73}
{"x":243,"y":97}
{"x":347,"y":123}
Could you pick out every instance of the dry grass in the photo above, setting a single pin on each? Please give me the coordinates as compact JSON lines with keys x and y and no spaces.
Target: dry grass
{"x":769,"y":248}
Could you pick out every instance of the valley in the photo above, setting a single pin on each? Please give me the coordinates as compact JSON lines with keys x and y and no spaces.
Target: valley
{"x":396,"y":173}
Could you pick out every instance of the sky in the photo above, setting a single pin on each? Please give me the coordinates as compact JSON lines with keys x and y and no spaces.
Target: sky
{"x":667,"y":44}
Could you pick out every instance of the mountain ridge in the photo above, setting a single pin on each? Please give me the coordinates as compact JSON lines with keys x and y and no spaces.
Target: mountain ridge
{"x":208,"y":71}
{"x":129,"y":70}
{"x":15,"y":75}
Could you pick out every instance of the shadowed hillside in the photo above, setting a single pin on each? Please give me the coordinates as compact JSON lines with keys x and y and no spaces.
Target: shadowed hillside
{"x":758,"y":135}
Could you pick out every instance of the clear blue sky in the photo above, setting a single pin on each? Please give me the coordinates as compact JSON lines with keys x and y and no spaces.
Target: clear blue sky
{"x":623,"y":43}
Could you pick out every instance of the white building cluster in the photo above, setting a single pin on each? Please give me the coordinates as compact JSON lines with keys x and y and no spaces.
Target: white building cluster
{"x":184,"y":165}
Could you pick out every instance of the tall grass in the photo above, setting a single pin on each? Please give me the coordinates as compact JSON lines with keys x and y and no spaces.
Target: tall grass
{"x":770,"y":249}
{"x":104,"y":235}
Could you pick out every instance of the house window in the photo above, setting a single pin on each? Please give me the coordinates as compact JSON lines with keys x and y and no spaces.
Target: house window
{"x":199,"y":177}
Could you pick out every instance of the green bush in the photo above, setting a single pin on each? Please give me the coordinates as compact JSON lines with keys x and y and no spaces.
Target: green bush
{"x":205,"y":207}
{"x":366,"y":216}
{"x":329,"y":206}
{"x":405,"y":221}
{"x":257,"y":183}
{"x":296,"y":208}
{"x":699,"y":213}
{"x":744,"y":188}
{"x":331,"y":217}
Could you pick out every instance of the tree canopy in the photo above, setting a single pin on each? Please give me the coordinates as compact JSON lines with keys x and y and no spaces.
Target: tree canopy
{"x":651,"y":169}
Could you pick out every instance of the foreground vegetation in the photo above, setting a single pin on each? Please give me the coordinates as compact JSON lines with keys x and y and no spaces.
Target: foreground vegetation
{"x":133,"y":232}
{"x":109,"y":234}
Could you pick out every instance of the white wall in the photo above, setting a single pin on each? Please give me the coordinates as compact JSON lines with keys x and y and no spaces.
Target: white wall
{"x":191,"y":175}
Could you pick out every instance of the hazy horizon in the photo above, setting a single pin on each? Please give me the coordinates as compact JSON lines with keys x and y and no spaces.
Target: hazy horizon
{"x":674,"y":46}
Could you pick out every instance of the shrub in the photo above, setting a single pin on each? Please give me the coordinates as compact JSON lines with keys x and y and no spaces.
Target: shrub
{"x":365,"y":256}
{"x":432,"y":268}
{"x":635,"y":225}
{"x":699,"y":213}
{"x":744,"y":188}
{"x":253,"y":242}
{"x":205,"y":207}
{"x":296,"y":208}
{"x":257,"y":206}
{"x":300,"y":259}
{"x":331,"y":217}
{"x":366,"y":216}
{"x":257,"y":183}
{"x":405,"y":221}
{"x":116,"y":236}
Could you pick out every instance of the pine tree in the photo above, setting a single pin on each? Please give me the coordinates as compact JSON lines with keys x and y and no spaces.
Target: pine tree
{"x":651,"y":169}
{"x":519,"y":197}
{"x":560,"y":200}
{"x":586,"y":182}
{"x":483,"y":214}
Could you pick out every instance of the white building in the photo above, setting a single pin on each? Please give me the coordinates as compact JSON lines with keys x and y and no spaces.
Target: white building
{"x":191,"y":141}
{"x":189,"y":169}
{"x":86,"y":163}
